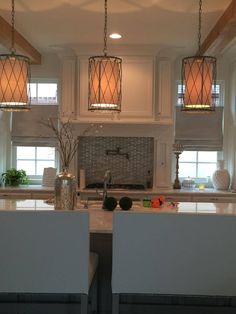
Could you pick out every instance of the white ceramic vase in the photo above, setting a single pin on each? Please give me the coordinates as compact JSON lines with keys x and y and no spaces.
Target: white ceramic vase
{"x":221,"y":177}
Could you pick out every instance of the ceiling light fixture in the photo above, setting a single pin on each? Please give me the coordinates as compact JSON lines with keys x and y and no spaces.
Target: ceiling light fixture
{"x":115,"y":36}
{"x":14,"y":77}
{"x":105,"y":73}
{"x":198,"y":79}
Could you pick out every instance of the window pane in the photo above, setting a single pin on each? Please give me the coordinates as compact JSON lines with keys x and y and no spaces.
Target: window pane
{"x":33,"y":92}
{"x":207,"y":156}
{"x":47,"y":92}
{"x":188,"y":156}
{"x":28,"y":166}
{"x":43,"y":164}
{"x":216,"y":91}
{"x":187,"y":170}
{"x":46,"y":153}
{"x":205,"y":170}
{"x":25,"y":152}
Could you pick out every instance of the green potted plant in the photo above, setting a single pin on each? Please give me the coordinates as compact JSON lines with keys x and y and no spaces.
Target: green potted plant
{"x":14,"y":177}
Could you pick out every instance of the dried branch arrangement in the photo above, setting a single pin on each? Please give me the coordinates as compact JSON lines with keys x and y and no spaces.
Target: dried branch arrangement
{"x":67,"y":141}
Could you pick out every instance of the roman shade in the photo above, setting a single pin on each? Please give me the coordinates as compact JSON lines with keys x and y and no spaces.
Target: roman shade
{"x":27,"y":127}
{"x":199,"y":132}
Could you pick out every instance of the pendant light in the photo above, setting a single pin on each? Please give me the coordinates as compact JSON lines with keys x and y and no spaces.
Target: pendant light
{"x":14,"y":77}
{"x":198,"y":79}
{"x":105,"y":74}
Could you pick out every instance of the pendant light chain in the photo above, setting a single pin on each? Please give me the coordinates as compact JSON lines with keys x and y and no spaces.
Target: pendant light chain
{"x":198,"y":78}
{"x":105,"y":76}
{"x":199,"y":25}
{"x":12,"y":27}
{"x":105,"y":29}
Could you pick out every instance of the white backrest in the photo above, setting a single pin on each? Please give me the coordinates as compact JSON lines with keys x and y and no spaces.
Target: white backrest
{"x":189,"y":254}
{"x":44,"y":251}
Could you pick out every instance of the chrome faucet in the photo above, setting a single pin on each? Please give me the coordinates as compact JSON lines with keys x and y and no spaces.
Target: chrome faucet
{"x":107,"y":179}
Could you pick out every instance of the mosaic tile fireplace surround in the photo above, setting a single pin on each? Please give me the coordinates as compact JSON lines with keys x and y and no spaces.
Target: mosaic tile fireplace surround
{"x":130,"y":159}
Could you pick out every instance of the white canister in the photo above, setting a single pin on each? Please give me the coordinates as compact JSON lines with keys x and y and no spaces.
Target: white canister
{"x":221,"y":177}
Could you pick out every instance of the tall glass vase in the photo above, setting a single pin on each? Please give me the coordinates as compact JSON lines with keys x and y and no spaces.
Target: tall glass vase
{"x":65,"y":191}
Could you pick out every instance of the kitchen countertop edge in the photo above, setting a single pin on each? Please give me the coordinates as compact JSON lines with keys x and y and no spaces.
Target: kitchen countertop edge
{"x":146,"y":192}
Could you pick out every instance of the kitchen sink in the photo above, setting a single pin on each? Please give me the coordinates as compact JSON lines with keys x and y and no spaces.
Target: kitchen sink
{"x":97,"y":204}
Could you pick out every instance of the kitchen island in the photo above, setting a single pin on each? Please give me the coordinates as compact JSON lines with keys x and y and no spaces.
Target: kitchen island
{"x":101,"y":220}
{"x":101,"y":242}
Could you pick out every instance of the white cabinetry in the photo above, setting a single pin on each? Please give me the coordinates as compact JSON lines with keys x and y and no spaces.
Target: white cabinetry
{"x":137,"y":90}
{"x":15,"y":195}
{"x":146,"y":91}
{"x":68,"y":88}
{"x":164,"y":89}
{"x":11,"y":193}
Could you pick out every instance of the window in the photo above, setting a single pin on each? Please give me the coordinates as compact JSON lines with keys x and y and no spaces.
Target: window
{"x":33,"y":159}
{"x":33,"y":145}
{"x":199,"y":165}
{"x":216,"y":94}
{"x":43,"y":93}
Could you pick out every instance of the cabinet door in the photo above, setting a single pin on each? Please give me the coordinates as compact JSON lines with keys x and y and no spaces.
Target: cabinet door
{"x":137,"y":90}
{"x":164,"y":87}
{"x":14,"y":195}
{"x":67,"y":107}
{"x":42,"y":196}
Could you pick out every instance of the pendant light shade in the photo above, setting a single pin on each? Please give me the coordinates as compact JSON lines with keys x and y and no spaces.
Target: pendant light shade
{"x":14,"y":82}
{"x":14,"y":79}
{"x":105,"y":83}
{"x":105,"y":75}
{"x":198,"y":79}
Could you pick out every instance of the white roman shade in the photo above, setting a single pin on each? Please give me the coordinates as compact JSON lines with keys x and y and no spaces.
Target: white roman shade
{"x":199,"y":131}
{"x":27,"y":127}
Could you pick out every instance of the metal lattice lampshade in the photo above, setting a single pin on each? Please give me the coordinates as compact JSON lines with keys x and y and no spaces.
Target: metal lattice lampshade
{"x":198,"y":79}
{"x":105,"y":83}
{"x":14,"y":83}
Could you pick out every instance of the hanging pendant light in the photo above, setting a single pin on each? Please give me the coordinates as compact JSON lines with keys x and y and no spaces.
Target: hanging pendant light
{"x":198,"y":79}
{"x":105,"y":74}
{"x":14,"y":77}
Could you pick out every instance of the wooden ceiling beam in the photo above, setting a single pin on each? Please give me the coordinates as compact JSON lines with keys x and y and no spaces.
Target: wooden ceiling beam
{"x":222,"y":33}
{"x":22,"y":46}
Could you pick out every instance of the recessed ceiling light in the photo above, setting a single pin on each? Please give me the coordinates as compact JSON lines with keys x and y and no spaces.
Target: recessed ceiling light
{"x":115,"y":36}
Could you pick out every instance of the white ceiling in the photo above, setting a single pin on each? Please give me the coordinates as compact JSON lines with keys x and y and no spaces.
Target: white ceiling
{"x":51,"y":25}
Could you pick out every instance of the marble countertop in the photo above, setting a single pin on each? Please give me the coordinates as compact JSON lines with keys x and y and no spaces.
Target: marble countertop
{"x":166,"y":192}
{"x":101,"y":220}
{"x":146,"y":192}
{"x":26,"y":188}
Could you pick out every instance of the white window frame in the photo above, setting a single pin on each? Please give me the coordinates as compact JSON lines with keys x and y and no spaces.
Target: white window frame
{"x":38,"y":179}
{"x":219,"y":153}
{"x":199,"y":180}
{"x":221,"y":93}
{"x":45,"y":81}
{"x":34,"y":179}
